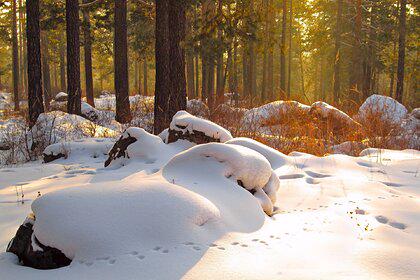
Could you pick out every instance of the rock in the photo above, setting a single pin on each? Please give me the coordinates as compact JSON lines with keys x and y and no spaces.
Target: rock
{"x":383,"y":107}
{"x":120,"y":147}
{"x":31,"y":252}
{"x":195,"y":136}
{"x":416,"y":113}
{"x":51,"y":157}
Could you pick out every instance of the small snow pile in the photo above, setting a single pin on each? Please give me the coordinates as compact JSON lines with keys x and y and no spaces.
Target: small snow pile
{"x":384,"y":107}
{"x":198,"y":108}
{"x":409,"y":132}
{"x":89,"y":147}
{"x":117,"y":217}
{"x":248,"y":168}
{"x":272,"y":113}
{"x":196,"y":130}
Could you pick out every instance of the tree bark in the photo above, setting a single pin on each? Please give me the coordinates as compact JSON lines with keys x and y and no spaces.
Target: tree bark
{"x":337,"y":54}
{"x":15,"y":58}
{"x":289,"y":69}
{"x":357,"y":67}
{"x":219,"y":67}
{"x":283,"y":50}
{"x":197,"y":77}
{"x":35,"y":102}
{"x":22,"y":67}
{"x":190,"y":75}
{"x":88,"y":55}
{"x":73,"y":57}
{"x":123,"y":114}
{"x":162,"y":84}
{"x":401,"y":51}
{"x":178,"y":91}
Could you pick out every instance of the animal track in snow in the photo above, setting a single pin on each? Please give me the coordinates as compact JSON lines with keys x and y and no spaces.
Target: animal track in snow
{"x":291,"y":176}
{"x":316,"y":174}
{"x":385,"y":220}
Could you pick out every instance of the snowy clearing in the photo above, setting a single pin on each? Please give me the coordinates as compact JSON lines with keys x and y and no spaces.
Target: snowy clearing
{"x":169,"y":211}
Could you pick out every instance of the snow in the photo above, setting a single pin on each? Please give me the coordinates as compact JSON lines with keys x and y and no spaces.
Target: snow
{"x":241,"y":164}
{"x":184,"y":121}
{"x":328,"y":111}
{"x":78,"y":149}
{"x":385,"y":107}
{"x":172,"y":211}
{"x":264,"y":113}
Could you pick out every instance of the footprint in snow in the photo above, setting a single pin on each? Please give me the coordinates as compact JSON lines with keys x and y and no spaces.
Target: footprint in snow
{"x":291,"y":176}
{"x":316,"y":174}
{"x":112,"y":261}
{"x":141,"y":257}
{"x":385,"y":220}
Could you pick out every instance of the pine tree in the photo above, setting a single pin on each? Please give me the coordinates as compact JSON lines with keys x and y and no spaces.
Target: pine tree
{"x":35,"y":102}
{"x":73,"y":57}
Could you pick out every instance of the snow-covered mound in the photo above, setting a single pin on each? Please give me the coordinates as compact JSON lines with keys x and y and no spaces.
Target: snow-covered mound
{"x":196,"y":130}
{"x":384,"y":107}
{"x":326,"y":111}
{"x":249,"y":168}
{"x":89,"y":147}
{"x":276,"y":158}
{"x":59,"y":126}
{"x":137,"y":144}
{"x":117,"y":217}
{"x":272,"y":112}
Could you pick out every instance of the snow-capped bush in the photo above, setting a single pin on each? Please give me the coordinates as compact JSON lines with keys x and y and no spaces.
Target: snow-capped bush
{"x":197,"y":108}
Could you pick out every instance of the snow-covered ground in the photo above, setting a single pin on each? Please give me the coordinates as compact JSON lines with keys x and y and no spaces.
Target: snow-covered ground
{"x":171,"y":211}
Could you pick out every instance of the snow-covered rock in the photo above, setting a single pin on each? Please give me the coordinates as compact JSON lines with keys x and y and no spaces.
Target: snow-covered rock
{"x":273,"y":112}
{"x":384,"y":107}
{"x":89,"y":147}
{"x":248,"y":168}
{"x":137,"y":144}
{"x":326,"y":111}
{"x":351,"y":148}
{"x":196,"y":130}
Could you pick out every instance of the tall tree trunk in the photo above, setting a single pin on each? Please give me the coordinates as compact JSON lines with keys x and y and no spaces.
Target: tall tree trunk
{"x":302,"y":72}
{"x":401,"y":51}
{"x":55,"y":77}
{"x":62,"y":63}
{"x":136,"y":77}
{"x":46,"y":73}
{"x":22,"y":80}
{"x":88,"y":55}
{"x":197,"y":77}
{"x":219,"y":67}
{"x":123,"y":114}
{"x":289,"y":69}
{"x":73,"y":57}
{"x":178,"y":90}
{"x":190,"y":75}
{"x":145,"y":91}
{"x":283,"y":51}
{"x":357,"y":67}
{"x":337,"y":50}
{"x":35,"y":102}
{"x":392,"y":70}
{"x":204,"y":94}
{"x":15,"y":57}
{"x":162,"y":85}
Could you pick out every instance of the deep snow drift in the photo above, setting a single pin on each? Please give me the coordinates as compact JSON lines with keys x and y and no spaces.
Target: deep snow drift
{"x":170,"y":211}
